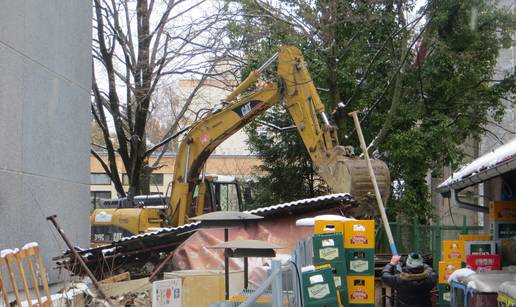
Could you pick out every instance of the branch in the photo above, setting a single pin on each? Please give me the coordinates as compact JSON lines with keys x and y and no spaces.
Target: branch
{"x":165,"y":141}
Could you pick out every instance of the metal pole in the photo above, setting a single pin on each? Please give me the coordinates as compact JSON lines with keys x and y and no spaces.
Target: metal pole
{"x":387,"y":227}
{"x":226,"y":266}
{"x":246,"y":273}
{"x":78,"y":257}
{"x":160,"y":267}
{"x":187,"y":162}
{"x":268,"y":62}
{"x":276,"y":284}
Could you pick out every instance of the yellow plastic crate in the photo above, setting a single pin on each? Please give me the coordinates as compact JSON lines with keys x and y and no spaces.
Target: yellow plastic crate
{"x":359,"y":234}
{"x":453,"y":250}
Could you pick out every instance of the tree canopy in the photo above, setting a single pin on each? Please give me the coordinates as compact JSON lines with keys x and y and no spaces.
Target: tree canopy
{"x":423,"y":84}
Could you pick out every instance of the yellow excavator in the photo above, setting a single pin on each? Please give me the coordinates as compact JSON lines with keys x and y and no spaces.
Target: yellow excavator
{"x":192,"y":191}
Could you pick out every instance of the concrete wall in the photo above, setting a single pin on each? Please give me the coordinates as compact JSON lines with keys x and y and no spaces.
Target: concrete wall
{"x":45,"y":70}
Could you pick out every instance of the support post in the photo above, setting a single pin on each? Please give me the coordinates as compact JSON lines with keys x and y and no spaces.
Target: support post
{"x":226,"y":267}
{"x":276,"y":284}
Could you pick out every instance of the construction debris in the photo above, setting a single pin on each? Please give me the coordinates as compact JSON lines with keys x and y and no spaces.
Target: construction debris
{"x":141,"y":254}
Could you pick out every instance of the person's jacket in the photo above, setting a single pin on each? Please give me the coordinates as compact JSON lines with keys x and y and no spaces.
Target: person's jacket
{"x":414,"y":288}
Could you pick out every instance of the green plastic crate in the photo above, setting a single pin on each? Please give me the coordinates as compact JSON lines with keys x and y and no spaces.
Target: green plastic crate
{"x":359,"y":262}
{"x":328,"y":247}
{"x":338,"y":269}
{"x":319,"y":288}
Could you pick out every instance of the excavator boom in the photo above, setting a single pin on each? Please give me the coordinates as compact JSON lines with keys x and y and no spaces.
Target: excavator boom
{"x":293,"y":86}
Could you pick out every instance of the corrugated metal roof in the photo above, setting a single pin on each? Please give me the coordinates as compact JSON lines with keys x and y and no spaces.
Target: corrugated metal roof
{"x":264,"y":212}
{"x":128,"y":249}
{"x":492,"y":164}
{"x":226,"y":215}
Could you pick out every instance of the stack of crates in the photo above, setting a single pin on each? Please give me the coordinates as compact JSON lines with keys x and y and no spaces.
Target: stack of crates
{"x":359,"y":252}
{"x":453,"y":257}
{"x":502,"y":221}
{"x":348,"y":247}
{"x":328,"y":247}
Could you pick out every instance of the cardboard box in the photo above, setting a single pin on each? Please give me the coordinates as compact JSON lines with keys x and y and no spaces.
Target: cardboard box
{"x":453,"y":250}
{"x":328,"y":247}
{"x":502,"y":211}
{"x":167,"y":293}
{"x":474,"y":237}
{"x":359,"y":261}
{"x":359,"y":234}
{"x":328,"y":227}
{"x":481,"y":263}
{"x":360,"y":289}
{"x":503,"y":230}
{"x":446,"y":268}
{"x":480,"y":247}
{"x":208,"y":282}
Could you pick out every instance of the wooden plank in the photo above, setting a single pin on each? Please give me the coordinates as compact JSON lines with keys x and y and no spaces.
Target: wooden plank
{"x":19,"y":263}
{"x":116,"y":278}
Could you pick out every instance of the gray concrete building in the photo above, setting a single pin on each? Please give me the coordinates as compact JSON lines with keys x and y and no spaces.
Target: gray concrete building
{"x":45,"y":71}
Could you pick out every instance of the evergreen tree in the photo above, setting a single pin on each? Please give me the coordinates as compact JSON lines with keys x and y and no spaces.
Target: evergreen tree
{"x":423,"y":85}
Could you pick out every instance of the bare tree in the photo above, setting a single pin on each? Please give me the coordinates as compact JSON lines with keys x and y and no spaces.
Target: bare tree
{"x":138,"y":47}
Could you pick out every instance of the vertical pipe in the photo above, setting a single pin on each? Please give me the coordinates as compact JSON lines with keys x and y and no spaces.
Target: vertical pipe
{"x":246,"y":273}
{"x":226,"y":266}
{"x":187,"y":162}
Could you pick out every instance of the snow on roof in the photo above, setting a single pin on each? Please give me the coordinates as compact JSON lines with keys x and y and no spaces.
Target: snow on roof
{"x":482,"y":164}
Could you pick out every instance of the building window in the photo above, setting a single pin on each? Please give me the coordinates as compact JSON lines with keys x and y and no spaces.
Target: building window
{"x":98,"y":196}
{"x":156,"y":179}
{"x":99,"y":179}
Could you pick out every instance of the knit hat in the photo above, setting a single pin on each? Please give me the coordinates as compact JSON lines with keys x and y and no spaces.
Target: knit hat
{"x":414,"y":260}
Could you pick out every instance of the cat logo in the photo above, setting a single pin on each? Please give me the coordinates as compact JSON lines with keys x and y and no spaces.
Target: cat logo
{"x":246,"y":108}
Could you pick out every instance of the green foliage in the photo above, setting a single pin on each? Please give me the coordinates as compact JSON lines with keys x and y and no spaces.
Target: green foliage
{"x":285,"y":161}
{"x":422,"y":103}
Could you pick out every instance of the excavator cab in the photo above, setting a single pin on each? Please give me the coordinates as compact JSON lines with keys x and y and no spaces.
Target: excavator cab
{"x":222,"y":193}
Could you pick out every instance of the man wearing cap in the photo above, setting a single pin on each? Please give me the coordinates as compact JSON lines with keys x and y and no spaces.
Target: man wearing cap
{"x":414,"y":284}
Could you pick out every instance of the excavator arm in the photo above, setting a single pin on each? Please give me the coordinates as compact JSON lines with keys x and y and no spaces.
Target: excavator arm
{"x":293,"y":86}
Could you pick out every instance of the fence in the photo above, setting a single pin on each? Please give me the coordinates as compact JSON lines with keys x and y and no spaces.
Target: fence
{"x":425,"y":239}
{"x":283,"y":286}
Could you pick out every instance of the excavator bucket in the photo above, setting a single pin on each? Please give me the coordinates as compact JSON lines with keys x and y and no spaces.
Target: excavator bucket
{"x":345,"y":174}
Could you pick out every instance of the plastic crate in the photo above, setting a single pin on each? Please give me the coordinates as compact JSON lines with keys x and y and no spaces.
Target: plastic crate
{"x":359,"y":261}
{"x":327,"y":248}
{"x":319,"y":288}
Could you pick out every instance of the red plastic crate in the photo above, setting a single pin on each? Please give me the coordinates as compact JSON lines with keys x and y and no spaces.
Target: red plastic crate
{"x":483,"y":262}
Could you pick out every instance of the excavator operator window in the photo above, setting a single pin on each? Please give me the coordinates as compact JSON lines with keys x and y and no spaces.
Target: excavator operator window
{"x":227,"y":194}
